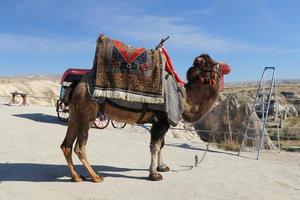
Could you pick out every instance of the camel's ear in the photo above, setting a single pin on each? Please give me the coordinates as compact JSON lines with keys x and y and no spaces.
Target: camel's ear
{"x":201,"y":61}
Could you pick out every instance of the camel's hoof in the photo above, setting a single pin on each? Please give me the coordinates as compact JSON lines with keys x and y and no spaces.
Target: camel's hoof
{"x":163,"y":168}
{"x":97,"y":179}
{"x":155,"y":177}
{"x":76,"y":179}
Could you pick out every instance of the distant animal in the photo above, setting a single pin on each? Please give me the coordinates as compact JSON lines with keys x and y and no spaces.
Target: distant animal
{"x":201,"y":90}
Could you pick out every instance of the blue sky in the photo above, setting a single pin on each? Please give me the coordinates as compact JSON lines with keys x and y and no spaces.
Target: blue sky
{"x":49,"y":36}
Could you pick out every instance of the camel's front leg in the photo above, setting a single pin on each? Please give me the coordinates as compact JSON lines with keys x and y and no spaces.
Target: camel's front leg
{"x":66,"y":147}
{"x":158,"y":132}
{"x":68,"y":155}
{"x":80,"y":148}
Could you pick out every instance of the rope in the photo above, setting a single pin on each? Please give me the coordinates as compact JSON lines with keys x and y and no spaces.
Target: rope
{"x":197,"y":161}
{"x":205,"y":131}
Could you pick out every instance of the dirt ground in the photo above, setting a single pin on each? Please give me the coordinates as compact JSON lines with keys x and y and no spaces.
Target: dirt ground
{"x":32,"y":165}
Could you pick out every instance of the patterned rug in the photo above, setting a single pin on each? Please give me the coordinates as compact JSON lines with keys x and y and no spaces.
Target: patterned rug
{"x":124,"y":72}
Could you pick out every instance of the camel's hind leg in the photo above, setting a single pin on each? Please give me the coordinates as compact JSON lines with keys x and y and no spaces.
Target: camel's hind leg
{"x":86,"y":119}
{"x":158,"y":132}
{"x":67,"y":145}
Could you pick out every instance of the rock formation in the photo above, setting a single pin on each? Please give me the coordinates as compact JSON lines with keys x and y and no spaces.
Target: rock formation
{"x":228,"y":121}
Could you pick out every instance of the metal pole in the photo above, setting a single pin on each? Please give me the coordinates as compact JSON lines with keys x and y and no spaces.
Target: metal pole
{"x":276,"y":115}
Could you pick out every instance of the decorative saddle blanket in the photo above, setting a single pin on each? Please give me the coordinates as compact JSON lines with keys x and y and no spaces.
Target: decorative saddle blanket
{"x":127,"y":73}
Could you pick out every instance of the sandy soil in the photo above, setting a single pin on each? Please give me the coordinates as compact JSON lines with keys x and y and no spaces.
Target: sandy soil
{"x":32,"y":165}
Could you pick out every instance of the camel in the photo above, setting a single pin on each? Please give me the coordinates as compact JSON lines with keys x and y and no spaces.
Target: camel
{"x":202,"y":89}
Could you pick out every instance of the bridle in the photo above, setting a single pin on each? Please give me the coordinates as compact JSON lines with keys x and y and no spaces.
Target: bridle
{"x":207,"y":75}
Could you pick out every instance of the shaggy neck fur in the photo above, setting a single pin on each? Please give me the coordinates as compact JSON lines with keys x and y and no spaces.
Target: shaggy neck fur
{"x":199,"y":99}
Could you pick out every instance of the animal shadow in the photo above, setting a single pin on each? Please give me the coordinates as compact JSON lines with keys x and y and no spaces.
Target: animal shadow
{"x":41,"y":117}
{"x":31,"y":172}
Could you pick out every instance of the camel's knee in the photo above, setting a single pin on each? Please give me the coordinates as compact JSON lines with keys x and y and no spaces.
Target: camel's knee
{"x":80,"y":152}
{"x":77,"y":151}
{"x":66,"y":151}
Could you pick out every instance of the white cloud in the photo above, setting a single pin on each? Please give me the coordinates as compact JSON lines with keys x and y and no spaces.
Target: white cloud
{"x":39,"y":45}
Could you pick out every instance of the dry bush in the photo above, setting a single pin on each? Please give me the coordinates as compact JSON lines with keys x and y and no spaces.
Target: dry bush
{"x":229,"y":145}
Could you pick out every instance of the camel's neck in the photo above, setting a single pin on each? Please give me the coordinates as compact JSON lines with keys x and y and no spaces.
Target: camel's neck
{"x":198,"y":101}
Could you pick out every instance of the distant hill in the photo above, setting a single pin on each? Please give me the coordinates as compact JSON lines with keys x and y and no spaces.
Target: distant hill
{"x":253,"y":83}
{"x":41,"y":89}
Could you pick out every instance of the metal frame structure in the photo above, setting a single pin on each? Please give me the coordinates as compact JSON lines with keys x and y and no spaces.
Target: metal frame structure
{"x":263,"y":98}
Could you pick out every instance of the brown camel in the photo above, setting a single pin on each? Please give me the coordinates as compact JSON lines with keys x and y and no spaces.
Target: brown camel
{"x":201,"y":90}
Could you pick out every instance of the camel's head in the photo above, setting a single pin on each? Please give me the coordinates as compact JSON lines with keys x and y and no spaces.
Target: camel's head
{"x":202,"y":88}
{"x":205,"y":71}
